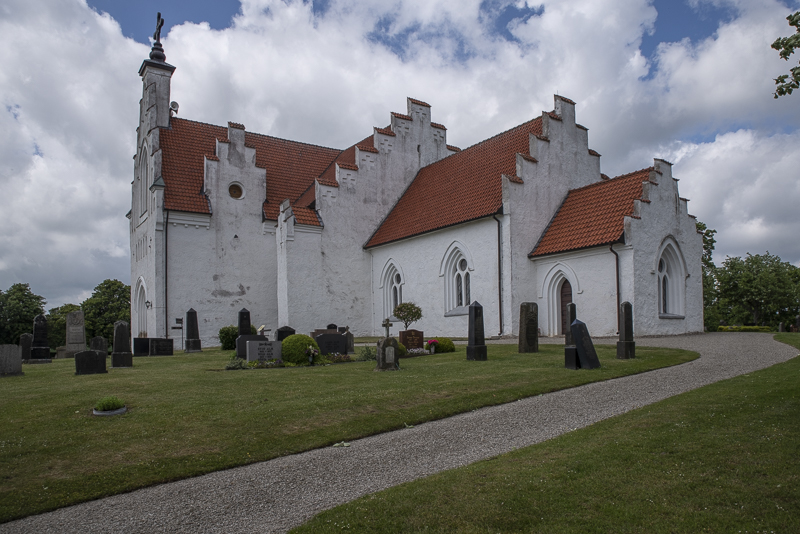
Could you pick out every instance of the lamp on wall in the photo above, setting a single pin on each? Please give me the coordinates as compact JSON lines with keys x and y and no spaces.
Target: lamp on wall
{"x":147,"y":304}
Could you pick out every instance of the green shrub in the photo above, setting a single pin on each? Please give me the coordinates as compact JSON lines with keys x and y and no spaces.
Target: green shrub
{"x":401,"y":350}
{"x":228,"y":335}
{"x":366,"y":354}
{"x":106,"y":404}
{"x":745,"y":329}
{"x":445,"y":345}
{"x":293,"y":349}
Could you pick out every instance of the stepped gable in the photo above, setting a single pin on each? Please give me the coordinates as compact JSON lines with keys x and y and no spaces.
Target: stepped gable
{"x":291,"y":166}
{"x":346,"y":160}
{"x":593,"y":215}
{"x":462,"y":187}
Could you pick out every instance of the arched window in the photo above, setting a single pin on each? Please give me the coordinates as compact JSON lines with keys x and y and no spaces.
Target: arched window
{"x":392,"y":289}
{"x":144,"y":181}
{"x":457,"y":280}
{"x":141,"y":309}
{"x":671,"y":281}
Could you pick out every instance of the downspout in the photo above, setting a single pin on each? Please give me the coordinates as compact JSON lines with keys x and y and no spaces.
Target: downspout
{"x":499,"y":270}
{"x":166,"y":279}
{"x":616,"y":260}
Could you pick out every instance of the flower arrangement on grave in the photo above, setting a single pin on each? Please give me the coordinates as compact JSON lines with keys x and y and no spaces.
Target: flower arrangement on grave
{"x":312,"y":353}
{"x":432,"y":343}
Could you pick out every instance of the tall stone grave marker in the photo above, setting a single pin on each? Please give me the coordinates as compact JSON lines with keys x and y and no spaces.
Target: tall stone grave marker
{"x":528,"y":327}
{"x":284,"y":332}
{"x":99,"y":344}
{"x":10,"y":360}
{"x":476,"y":341}
{"x":192,"y":332}
{"x":587,"y":356}
{"x":388,"y":355}
{"x":626,"y":347}
{"x":570,"y":352}
{"x":122,"y":356}
{"x":25,"y":341}
{"x":90,"y":362}
{"x":76,"y":333}
{"x":40,"y":351}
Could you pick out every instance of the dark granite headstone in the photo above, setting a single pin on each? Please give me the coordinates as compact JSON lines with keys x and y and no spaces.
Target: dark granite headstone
{"x":476,"y":341}
{"x":25,"y":341}
{"x":583,"y":344}
{"x":572,"y":314}
{"x":192,"y":341}
{"x":141,"y":346}
{"x":528,"y":327}
{"x":10,"y":360}
{"x":330,"y":343}
{"x":90,"y":362}
{"x":99,"y":344}
{"x":388,"y":357}
{"x":161,"y":346}
{"x":626,"y":347}
{"x":263,"y":350}
{"x":332,"y":327}
{"x":122,"y":355}
{"x":284,"y":332}
{"x":39,"y":348}
{"x":244,"y":322}
{"x":341,"y":329}
{"x":241,"y":344}
{"x":412,"y":339}
{"x":571,"y":357}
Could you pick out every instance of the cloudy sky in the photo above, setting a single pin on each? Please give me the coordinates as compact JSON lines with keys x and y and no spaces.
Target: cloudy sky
{"x":690,"y":81}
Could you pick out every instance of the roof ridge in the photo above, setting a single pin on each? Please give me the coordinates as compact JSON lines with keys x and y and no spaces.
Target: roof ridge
{"x":496,"y":135}
{"x":611,"y":180}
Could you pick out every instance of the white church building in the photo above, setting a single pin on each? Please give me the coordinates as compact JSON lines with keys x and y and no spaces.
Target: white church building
{"x":302,"y":235}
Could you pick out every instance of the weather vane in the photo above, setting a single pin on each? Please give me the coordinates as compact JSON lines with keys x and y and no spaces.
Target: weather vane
{"x":159,"y":25}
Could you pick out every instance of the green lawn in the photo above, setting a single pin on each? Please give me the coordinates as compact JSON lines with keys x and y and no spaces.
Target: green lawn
{"x":187,"y":416}
{"x":723,"y":458}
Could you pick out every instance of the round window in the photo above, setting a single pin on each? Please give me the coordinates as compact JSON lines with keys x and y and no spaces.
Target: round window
{"x":236,"y":191}
{"x":462,"y":265}
{"x":661,"y":266}
{"x":397,"y":278}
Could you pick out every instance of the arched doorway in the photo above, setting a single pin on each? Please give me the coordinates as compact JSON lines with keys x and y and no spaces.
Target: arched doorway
{"x":141,"y":312}
{"x":564,"y":299}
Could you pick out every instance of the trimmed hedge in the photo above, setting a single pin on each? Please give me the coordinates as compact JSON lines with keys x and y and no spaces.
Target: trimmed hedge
{"x":228,"y":335}
{"x":745,"y":329}
{"x":401,"y":350}
{"x":293,"y":349}
{"x":445,"y":345}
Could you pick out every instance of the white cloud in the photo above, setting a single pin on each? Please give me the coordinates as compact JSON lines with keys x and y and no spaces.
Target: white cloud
{"x":70,"y":89}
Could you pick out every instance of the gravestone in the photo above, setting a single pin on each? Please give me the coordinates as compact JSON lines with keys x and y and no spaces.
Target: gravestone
{"x":141,"y":346}
{"x":351,"y":340}
{"x":412,"y":339}
{"x":330,"y":343}
{"x":122,"y":355}
{"x":781,"y":327}
{"x":570,"y":352}
{"x":476,"y":342}
{"x":90,"y":362}
{"x":572,"y":314}
{"x":244,"y":322}
{"x":388,"y":355}
{"x":25,"y":341}
{"x":264,"y":351}
{"x":284,"y":332}
{"x":587,"y":357}
{"x":40,"y":351}
{"x":192,"y":332}
{"x":797,"y":323}
{"x":626,"y":348}
{"x":76,"y":333}
{"x":99,"y":344}
{"x":161,"y":347}
{"x":10,"y":360}
{"x":332,"y":327}
{"x":61,"y":353}
{"x":241,"y":344}
{"x":528,"y":327}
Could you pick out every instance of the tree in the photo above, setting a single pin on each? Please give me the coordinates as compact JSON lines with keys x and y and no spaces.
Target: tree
{"x":18,"y":307}
{"x":710,"y":311}
{"x":759,"y":289}
{"x":110,"y":302}
{"x":57,"y":324}
{"x":786,"y":46}
{"x":407,"y":313}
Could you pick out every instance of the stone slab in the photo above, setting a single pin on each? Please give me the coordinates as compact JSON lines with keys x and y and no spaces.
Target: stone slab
{"x":90,"y":362}
{"x":99,"y":344}
{"x":571,"y":357}
{"x":122,"y":340}
{"x":76,"y":332}
{"x":241,"y":344}
{"x":284,"y":332}
{"x":161,"y":346}
{"x":412,"y":339}
{"x":332,"y":343}
{"x":264,"y":351}
{"x":121,"y":359}
{"x":25,"y":341}
{"x":10,"y":360}
{"x":141,"y":346}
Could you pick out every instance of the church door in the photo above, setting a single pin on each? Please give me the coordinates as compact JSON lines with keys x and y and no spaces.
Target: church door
{"x":566,"y":298}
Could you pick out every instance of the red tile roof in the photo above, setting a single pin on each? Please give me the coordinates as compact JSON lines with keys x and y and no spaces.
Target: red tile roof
{"x":385,"y":131}
{"x":401,"y":116}
{"x":291,"y":166}
{"x":419,"y":102}
{"x":439,"y":126}
{"x":346,"y":159}
{"x":461,"y":187}
{"x":592,"y":215}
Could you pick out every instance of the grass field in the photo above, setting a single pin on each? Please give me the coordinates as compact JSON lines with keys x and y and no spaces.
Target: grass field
{"x":723,"y":458}
{"x":187,"y":416}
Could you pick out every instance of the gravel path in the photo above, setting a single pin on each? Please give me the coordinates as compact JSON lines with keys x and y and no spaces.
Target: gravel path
{"x":277,"y":495}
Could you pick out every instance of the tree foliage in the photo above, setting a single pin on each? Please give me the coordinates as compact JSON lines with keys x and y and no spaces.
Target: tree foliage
{"x":786,"y":83}
{"x":760,"y":289}
{"x":57,"y":324}
{"x":110,"y":302}
{"x":18,"y":307}
{"x":407,"y":313}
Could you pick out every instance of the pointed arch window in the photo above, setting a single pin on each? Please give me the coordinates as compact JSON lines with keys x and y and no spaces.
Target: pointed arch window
{"x":392,"y":289}
{"x":671,"y":282}
{"x":457,"y":280}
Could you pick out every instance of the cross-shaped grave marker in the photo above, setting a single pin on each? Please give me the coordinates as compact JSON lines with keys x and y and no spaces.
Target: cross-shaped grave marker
{"x":386,"y":324}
